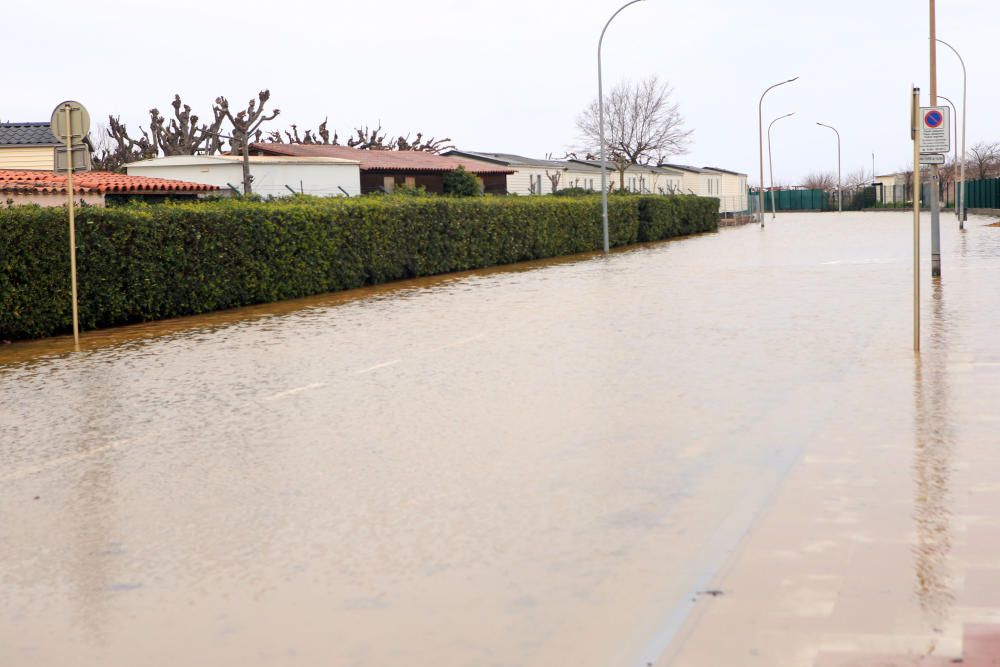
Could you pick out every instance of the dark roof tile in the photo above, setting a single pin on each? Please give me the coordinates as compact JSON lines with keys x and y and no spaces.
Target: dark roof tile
{"x":26,"y":134}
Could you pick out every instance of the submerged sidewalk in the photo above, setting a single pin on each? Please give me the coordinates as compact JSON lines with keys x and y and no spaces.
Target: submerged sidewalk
{"x":882,"y":548}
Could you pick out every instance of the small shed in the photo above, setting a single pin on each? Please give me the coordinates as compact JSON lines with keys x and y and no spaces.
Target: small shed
{"x":383,"y":171}
{"x":276,"y":176}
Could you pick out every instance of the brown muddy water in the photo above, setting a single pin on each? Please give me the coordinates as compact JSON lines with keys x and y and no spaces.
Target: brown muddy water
{"x":535,"y":466}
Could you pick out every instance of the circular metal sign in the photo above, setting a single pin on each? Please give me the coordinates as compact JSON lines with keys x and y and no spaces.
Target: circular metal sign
{"x":79,"y":124}
{"x":933,"y":118}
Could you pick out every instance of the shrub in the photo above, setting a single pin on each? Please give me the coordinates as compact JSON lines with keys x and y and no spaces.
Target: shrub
{"x":139,"y":263}
{"x":460,"y":183}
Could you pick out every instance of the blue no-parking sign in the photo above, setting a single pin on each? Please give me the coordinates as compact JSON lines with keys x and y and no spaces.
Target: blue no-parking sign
{"x":935,"y":130}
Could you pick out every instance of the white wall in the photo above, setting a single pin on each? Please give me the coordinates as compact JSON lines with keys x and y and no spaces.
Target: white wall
{"x":269,"y":179}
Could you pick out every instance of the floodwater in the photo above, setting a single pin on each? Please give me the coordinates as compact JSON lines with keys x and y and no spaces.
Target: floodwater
{"x":542,"y":465}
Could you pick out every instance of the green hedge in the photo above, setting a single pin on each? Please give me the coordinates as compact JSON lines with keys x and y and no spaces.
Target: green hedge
{"x":139,"y":263}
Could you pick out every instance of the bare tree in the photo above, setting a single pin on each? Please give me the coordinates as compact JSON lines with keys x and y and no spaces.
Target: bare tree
{"x":245,"y":124}
{"x":984,"y":156}
{"x":363,"y":138}
{"x":642,"y":125}
{"x":857,"y":179}
{"x":824,"y":180}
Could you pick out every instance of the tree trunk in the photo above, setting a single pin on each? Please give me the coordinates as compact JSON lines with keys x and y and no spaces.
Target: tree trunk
{"x":246,"y":167}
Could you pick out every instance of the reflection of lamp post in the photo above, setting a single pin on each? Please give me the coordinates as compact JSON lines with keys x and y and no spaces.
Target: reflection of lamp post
{"x":770,"y":162}
{"x":840,"y":193}
{"x":600,"y":114}
{"x":961,"y":193}
{"x":958,"y":200}
{"x":760,"y":141}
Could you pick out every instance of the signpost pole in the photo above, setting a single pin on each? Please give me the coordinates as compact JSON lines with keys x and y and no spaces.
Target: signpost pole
{"x":916,"y":124}
{"x":72,"y":222}
{"x":935,"y":173}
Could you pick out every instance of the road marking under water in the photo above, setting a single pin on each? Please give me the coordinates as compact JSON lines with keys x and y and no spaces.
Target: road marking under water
{"x":378,"y":366}
{"x":297,"y":390}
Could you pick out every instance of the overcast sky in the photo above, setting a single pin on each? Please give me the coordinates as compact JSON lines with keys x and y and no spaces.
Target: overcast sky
{"x":512,"y":75}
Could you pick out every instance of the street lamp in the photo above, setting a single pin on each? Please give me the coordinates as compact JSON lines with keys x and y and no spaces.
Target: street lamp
{"x":770,"y":162}
{"x":840,"y":193}
{"x":961,"y":193}
{"x":600,"y":114}
{"x":958,"y":208}
{"x":760,"y":141}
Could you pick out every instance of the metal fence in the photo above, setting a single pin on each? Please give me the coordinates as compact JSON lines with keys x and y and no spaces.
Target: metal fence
{"x":983,"y":193}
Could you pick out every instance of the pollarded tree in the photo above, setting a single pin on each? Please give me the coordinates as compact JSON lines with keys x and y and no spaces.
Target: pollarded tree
{"x":642,"y":125}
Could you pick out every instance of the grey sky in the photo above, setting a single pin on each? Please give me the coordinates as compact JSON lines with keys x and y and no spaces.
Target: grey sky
{"x":512,"y":76}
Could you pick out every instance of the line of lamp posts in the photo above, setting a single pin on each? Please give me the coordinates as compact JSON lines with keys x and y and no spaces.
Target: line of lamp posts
{"x":960,"y":210}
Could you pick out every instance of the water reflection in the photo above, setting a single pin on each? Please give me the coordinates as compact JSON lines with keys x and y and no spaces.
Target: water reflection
{"x":933,"y":459}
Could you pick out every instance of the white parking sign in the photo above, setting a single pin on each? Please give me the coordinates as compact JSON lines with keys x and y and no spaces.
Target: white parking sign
{"x":935,"y":129}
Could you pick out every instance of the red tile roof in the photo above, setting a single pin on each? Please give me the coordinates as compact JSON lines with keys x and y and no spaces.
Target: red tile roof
{"x":87,"y":182}
{"x":413,"y":161}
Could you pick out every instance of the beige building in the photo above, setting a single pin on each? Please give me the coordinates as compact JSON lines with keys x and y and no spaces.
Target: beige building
{"x":27,"y":146}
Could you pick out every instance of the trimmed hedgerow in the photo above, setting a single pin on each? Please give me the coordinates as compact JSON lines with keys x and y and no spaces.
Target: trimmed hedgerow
{"x":140,"y":263}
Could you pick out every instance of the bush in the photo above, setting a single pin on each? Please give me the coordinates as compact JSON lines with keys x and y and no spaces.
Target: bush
{"x":573,"y":192}
{"x":139,"y":263}
{"x":460,"y":183}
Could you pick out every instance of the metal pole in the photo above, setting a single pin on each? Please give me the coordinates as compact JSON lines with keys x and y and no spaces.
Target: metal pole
{"x":760,"y":141}
{"x":600,"y":116}
{"x":770,"y":162}
{"x":954,"y":165}
{"x":935,"y":174}
{"x":915,"y":124}
{"x":963,"y":214}
{"x":72,"y":222}
{"x":840,"y":195}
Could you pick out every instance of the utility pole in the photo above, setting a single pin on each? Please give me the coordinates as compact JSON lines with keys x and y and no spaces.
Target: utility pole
{"x":935,"y":173}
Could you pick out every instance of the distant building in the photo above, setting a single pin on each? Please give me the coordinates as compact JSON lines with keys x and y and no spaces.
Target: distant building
{"x":639,"y":178}
{"x":27,"y":146}
{"x":96,"y":188}
{"x":730,"y":187}
{"x":273,"y":175}
{"x":532,"y":176}
{"x":384,"y":171}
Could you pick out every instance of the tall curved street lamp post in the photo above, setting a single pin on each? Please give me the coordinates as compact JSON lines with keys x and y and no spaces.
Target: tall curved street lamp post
{"x":760,"y":142}
{"x":961,"y":192}
{"x":600,"y":120}
{"x":770,"y":162}
{"x":840,"y":192}
{"x":958,"y":206}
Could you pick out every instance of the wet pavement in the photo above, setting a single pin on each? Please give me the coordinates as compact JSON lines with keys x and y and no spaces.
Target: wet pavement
{"x":554,"y":464}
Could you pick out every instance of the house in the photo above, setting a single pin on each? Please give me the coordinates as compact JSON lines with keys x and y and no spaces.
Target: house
{"x":273,"y":175}
{"x":730,"y":187}
{"x":531,"y":176}
{"x":383,"y":171}
{"x":96,"y":188}
{"x":27,"y":146}
{"x":639,"y":178}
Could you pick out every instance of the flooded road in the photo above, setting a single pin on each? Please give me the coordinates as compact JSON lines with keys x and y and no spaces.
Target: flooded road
{"x":544,"y":465}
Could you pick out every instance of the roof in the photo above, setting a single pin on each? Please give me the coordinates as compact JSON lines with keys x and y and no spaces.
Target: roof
{"x":90,"y":182}
{"x":201,"y":160}
{"x":27,"y":134}
{"x":510,"y":160}
{"x":685,"y":167}
{"x":396,"y":161}
{"x":724,"y":171}
{"x":654,"y":169}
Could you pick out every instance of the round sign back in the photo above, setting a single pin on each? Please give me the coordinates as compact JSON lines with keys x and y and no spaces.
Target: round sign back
{"x":79,"y":122}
